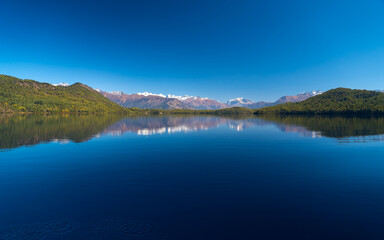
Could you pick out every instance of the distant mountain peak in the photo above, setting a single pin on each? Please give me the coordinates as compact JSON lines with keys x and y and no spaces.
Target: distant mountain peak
{"x":185,"y":97}
{"x":298,"y":98}
{"x":239,"y":101}
{"x":61,"y":84}
{"x":154,"y":100}
{"x":116,"y":92}
{"x":146,"y":94}
{"x":312,"y":93}
{"x":170,"y":101}
{"x":181,"y":98}
{"x":316,"y":92}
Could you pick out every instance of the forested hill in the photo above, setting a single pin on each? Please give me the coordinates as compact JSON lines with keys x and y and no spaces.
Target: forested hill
{"x":335,"y":101}
{"x":17,"y":95}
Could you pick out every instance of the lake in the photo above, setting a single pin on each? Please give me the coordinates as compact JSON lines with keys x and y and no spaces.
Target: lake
{"x":191,"y":177}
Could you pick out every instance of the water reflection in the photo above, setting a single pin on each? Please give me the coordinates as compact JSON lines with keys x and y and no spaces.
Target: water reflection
{"x":177,"y":124}
{"x":346,"y":129}
{"x":19,"y":130}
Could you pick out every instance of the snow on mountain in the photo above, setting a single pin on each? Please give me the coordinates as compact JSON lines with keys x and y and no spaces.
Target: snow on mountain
{"x":170,"y":101}
{"x":61,"y":85}
{"x":239,"y":102}
{"x":316,"y":92}
{"x":116,"y":92}
{"x":181,"y":98}
{"x":146,"y":94}
{"x":185,"y":97}
{"x":310,"y":93}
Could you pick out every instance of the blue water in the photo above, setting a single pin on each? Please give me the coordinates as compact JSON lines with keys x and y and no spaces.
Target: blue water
{"x":191,"y":178}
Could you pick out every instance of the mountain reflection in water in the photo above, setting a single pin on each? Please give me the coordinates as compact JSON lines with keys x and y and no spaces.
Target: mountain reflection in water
{"x":176,"y":124}
{"x":21,"y":130}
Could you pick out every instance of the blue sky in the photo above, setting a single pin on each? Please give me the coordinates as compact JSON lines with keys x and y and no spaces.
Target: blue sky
{"x":258,"y":49}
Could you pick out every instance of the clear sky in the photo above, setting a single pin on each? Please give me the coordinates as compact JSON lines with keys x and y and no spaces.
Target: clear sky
{"x":258,"y":49}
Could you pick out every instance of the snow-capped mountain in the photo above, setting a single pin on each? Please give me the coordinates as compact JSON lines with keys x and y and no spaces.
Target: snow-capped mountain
{"x":239,"y":102}
{"x":161,"y":101}
{"x":146,"y":94}
{"x":116,"y":93}
{"x":317,"y":92}
{"x":185,"y":97}
{"x":181,"y":98}
{"x":298,"y":98}
{"x":61,"y":85}
{"x":285,"y":99}
{"x":145,"y":100}
{"x":204,"y":103}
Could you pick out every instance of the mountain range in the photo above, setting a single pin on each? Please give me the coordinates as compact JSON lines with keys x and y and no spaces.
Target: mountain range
{"x":17,"y":95}
{"x":159,"y":101}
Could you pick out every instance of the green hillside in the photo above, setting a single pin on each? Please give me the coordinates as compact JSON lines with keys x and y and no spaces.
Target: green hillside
{"x":18,"y":95}
{"x":335,"y":101}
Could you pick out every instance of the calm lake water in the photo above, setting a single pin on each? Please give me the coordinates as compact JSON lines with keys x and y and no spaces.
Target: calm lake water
{"x":113,"y":177}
